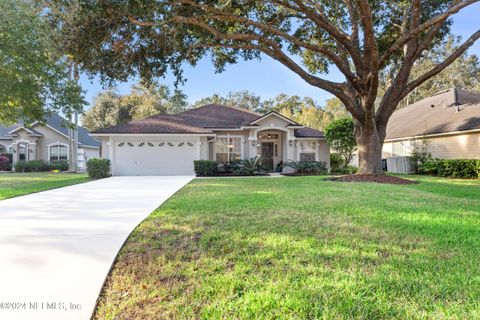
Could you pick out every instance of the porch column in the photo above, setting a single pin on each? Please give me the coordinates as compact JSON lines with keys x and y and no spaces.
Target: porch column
{"x":32,"y":151}
{"x":252,"y":147}
{"x":15,"y":154}
{"x":291,"y":141}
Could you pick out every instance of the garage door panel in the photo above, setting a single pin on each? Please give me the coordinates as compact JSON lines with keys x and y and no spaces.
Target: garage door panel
{"x":155,"y":156}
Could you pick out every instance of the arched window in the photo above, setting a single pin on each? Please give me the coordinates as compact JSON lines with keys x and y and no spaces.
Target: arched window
{"x":58,"y":152}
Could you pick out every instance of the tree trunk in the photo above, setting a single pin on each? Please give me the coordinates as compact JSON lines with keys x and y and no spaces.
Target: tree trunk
{"x":369,"y":145}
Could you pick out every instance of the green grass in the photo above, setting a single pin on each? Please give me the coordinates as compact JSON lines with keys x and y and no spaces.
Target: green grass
{"x":19,"y":184}
{"x":303,"y":248}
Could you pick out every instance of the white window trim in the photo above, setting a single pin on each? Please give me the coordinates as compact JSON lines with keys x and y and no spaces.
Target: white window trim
{"x":242,"y":142}
{"x":56,"y":144}
{"x":299,"y":148}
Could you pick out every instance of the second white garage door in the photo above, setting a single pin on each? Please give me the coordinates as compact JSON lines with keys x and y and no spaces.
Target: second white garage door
{"x":152,"y":157}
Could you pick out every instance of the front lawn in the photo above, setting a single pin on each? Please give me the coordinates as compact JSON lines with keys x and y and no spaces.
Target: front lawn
{"x":303,"y":248}
{"x":18,"y":184}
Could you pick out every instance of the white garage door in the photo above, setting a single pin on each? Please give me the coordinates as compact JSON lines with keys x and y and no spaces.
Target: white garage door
{"x":151,"y":157}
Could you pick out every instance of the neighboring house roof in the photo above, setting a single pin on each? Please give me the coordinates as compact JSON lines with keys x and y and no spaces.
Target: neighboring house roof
{"x":5,"y":131}
{"x":56,"y":123}
{"x":200,"y":120}
{"x":448,"y":111}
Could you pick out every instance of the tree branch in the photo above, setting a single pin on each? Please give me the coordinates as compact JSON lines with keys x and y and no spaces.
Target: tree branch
{"x":371,"y":51}
{"x":272,"y":49}
{"x":388,"y":105}
{"x":440,"y":67}
{"x":321,"y":20}
{"x":440,"y":19}
{"x":225,"y":16}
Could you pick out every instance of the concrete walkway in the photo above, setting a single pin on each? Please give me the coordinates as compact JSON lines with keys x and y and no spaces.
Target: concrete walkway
{"x":57,"y":246}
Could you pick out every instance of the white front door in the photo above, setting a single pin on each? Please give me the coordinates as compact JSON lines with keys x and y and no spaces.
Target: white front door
{"x":155,"y":157}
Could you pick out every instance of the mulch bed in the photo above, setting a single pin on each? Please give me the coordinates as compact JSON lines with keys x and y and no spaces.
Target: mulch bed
{"x":372,"y":178}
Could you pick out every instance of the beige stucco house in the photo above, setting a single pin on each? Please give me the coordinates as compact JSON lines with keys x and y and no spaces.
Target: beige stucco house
{"x":449,"y":121}
{"x":48,"y":141}
{"x":168,"y":144}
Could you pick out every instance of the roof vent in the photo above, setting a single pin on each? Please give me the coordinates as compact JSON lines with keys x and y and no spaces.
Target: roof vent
{"x":432,"y":106}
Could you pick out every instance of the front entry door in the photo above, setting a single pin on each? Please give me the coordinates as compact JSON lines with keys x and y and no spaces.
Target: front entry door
{"x":267,"y":155}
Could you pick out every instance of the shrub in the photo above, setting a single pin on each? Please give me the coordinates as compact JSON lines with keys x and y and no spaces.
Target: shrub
{"x":227,"y":167}
{"x":429,"y":167}
{"x":453,"y":168}
{"x":31,"y":166}
{"x":308,"y":167}
{"x":61,"y":165}
{"x":457,"y":168}
{"x":249,"y":167}
{"x":205,"y":168}
{"x":420,"y":156}
{"x":5,"y":163}
{"x":98,"y":168}
{"x":336,"y":161}
{"x":347,"y":170}
{"x":341,"y":137}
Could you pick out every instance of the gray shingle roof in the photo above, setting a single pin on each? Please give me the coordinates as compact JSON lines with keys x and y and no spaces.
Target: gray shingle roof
{"x":447,"y":111}
{"x":59,"y":124}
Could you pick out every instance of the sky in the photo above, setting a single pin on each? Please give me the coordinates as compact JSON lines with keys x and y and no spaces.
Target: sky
{"x":267,"y":78}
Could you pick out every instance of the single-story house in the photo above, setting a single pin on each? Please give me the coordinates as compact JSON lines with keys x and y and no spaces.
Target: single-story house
{"x":46,"y":141}
{"x":449,"y":121}
{"x":168,"y":144}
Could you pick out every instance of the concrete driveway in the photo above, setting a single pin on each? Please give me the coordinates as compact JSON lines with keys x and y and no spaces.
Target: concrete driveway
{"x":57,"y":246}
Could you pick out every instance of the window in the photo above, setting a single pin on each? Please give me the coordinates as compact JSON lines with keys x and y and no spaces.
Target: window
{"x":3,"y":149}
{"x":307,"y":151}
{"x":268,"y":136}
{"x":22,"y":152}
{"x":228,"y":149}
{"x":58,"y":152}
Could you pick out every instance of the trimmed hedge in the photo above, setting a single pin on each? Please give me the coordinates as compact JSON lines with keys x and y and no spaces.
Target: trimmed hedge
{"x":61,"y":165}
{"x":98,"y":168}
{"x":32,"y":166}
{"x":205,"y":168}
{"x":308,"y":167}
{"x":455,"y":168}
{"x":40,"y":166}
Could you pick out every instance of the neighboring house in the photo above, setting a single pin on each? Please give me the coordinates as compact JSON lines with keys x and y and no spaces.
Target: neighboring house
{"x":48,"y":141}
{"x":168,"y":144}
{"x":449,"y":120}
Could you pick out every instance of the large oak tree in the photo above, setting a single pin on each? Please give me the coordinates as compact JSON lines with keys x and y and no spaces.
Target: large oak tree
{"x":360,"y":38}
{"x":34,"y":76}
